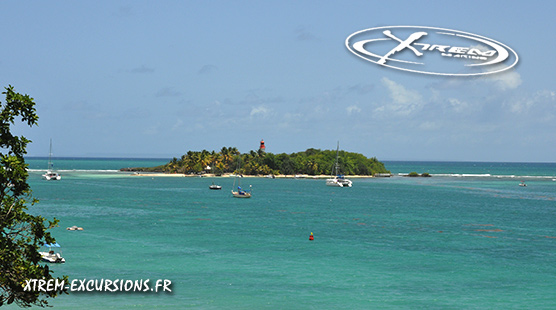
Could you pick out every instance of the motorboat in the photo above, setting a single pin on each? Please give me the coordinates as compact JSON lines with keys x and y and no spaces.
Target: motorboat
{"x":215,"y":187}
{"x":50,"y":256}
{"x":74,"y":228}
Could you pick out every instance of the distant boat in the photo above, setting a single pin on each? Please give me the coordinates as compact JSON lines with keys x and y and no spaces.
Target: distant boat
{"x":523,"y":184}
{"x":50,"y":174}
{"x":240,"y":193}
{"x":214,"y":186}
{"x":338,"y":180}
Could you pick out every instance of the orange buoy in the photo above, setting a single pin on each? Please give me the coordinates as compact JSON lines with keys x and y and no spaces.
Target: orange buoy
{"x":311,"y":237}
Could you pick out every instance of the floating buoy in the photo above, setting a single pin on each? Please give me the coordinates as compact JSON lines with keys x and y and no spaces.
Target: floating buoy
{"x":311,"y":237}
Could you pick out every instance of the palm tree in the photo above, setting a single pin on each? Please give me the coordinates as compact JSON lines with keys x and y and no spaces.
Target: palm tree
{"x":216,"y":161}
{"x":172,"y":166}
{"x":312,"y":166}
{"x":204,"y":159}
{"x":228,"y":159}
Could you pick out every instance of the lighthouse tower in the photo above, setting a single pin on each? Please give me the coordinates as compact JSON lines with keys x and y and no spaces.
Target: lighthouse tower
{"x":262,"y":147}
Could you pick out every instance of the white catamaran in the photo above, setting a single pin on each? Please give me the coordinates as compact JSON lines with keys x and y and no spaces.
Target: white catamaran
{"x":338,"y":180}
{"x":50,"y":174}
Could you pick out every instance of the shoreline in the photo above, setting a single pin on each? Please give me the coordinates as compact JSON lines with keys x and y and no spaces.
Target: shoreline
{"x":280,"y":176}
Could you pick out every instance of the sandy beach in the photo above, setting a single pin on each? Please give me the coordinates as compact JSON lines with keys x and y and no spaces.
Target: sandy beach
{"x":279,"y":176}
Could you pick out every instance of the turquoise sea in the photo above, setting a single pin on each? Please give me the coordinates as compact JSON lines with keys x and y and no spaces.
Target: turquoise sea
{"x":466,"y":238}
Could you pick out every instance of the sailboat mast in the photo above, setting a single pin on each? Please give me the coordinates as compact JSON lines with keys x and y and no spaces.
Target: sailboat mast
{"x":337,"y":154}
{"x":237,"y":173}
{"x":50,"y":156}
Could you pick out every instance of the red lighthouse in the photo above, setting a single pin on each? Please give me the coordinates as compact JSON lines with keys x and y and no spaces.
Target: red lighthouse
{"x":262,"y":147}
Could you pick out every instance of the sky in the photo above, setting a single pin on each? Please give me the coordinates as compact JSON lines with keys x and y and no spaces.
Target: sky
{"x":154,"y":79}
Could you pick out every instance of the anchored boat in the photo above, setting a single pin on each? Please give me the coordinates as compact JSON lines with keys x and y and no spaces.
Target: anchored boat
{"x":50,"y":174}
{"x":338,"y":180}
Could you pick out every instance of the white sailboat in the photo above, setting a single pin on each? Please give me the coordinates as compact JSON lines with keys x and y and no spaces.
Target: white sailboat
{"x":338,"y":180}
{"x":50,"y":174}
{"x":240,"y":193}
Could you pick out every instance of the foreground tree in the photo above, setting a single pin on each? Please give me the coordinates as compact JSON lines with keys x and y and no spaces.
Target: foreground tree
{"x":21,"y":234}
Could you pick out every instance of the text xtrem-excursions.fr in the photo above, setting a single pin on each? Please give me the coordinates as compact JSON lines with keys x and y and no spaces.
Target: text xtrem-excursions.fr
{"x":97,"y":285}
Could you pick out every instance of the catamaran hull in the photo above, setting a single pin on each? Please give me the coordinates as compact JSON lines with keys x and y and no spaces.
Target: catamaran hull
{"x":50,"y":177}
{"x":333,"y":183}
{"x":338,"y":183}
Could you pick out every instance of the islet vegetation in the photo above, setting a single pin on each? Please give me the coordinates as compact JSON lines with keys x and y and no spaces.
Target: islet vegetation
{"x":230,"y":160}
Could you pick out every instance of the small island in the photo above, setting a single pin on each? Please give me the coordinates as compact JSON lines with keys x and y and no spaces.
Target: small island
{"x":415,"y":174}
{"x":312,"y":162}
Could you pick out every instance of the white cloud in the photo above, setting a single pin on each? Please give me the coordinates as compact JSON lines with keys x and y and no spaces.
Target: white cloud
{"x":215,"y":105}
{"x":151,"y":130}
{"x":259,"y":111}
{"x":429,"y":126}
{"x":506,"y":80}
{"x":542,"y":101}
{"x":404,"y":101}
{"x":547,"y":94}
{"x":458,"y":105}
{"x":177,"y":124}
{"x":353,"y":109}
{"x":518,"y":106}
{"x":319,"y":110}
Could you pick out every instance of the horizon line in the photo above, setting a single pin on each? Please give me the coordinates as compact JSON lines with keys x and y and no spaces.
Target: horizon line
{"x":382,"y":160}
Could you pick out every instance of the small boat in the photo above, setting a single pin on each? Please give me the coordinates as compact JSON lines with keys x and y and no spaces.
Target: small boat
{"x":338,"y":180}
{"x":51,"y":256}
{"x":74,"y":228}
{"x":214,"y":186}
{"x":523,"y":184}
{"x":50,"y":174}
{"x":240,"y":193}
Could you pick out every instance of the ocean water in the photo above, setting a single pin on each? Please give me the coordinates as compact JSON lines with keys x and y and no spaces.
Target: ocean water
{"x":467,"y":238}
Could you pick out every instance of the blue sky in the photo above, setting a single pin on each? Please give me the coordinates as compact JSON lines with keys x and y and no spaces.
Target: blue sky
{"x":158,"y":78}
